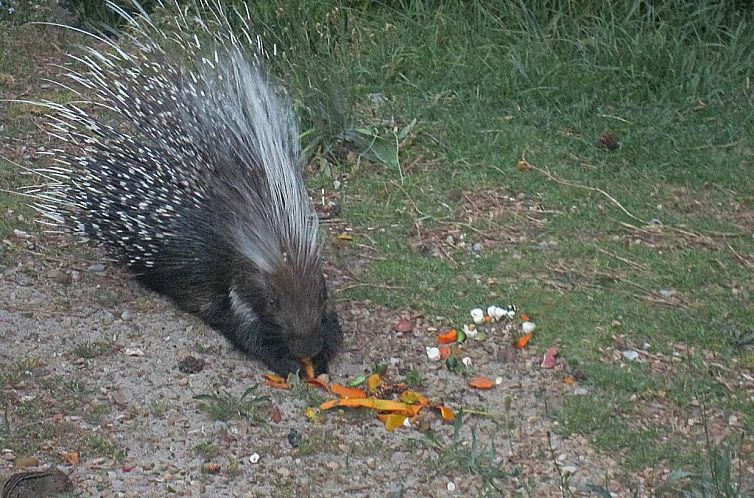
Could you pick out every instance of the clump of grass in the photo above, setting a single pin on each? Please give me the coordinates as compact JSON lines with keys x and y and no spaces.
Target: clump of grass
{"x":92,"y":349}
{"x":470,"y":457}
{"x":715,"y":476}
{"x":206,"y":450}
{"x":415,"y":378}
{"x":100,"y":445}
{"x":224,"y":406}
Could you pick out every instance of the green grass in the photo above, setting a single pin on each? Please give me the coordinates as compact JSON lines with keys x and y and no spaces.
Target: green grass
{"x":490,"y":85}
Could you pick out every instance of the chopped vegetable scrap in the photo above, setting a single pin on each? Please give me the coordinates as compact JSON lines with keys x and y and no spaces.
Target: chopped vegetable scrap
{"x":481,"y":383}
{"x":549,"y":360}
{"x":308,"y":366}
{"x":403,"y":326}
{"x":347,"y":392}
{"x":524,"y":340}
{"x":448,"y":337}
{"x":276,"y":381}
{"x":394,"y":413}
{"x":452,"y":340}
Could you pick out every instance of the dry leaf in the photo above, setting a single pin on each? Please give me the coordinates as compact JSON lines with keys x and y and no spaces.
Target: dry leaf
{"x":403,"y":326}
{"x":481,"y":383}
{"x":276,"y":415}
{"x":345,"y":236}
{"x":569,"y":379}
{"x":212,"y":468}
{"x":444,"y":353}
{"x":71,"y":458}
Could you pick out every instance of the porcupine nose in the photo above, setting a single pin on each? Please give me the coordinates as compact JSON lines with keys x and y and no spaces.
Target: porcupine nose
{"x":306,"y":347}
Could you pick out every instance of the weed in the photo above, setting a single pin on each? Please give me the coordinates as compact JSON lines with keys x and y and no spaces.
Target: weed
{"x":225,"y":406}
{"x":159,"y":408}
{"x":415,"y":378}
{"x":92,"y":349}
{"x":469,"y":457}
{"x":206,"y":450}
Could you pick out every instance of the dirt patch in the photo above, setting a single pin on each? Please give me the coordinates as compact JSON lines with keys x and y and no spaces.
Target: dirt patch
{"x":94,"y":366}
{"x":488,"y":218}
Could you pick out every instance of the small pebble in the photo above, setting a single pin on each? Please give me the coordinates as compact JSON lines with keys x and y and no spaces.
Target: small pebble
{"x":528,"y":327}
{"x":96,"y":268}
{"x":294,"y":438}
{"x":433,"y":353}
{"x":630,"y":355}
{"x":254,"y":458}
{"x":466,"y":361}
{"x":191,"y":365}
{"x":283,"y":471}
{"x":451,"y":486}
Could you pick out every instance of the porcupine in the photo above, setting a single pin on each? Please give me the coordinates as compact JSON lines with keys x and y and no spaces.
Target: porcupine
{"x":191,"y":173}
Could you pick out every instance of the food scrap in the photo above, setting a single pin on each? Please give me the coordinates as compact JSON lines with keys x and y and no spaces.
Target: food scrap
{"x":308,"y":367}
{"x":548,"y":361}
{"x":481,"y":383}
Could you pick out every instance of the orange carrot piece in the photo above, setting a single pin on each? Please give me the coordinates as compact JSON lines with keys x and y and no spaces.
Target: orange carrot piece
{"x":373,"y":382}
{"x":318,"y":383}
{"x":523,"y":340}
{"x":448,"y":337}
{"x":308,"y":365}
{"x":481,"y":383}
{"x":393,"y":421}
{"x":347,"y":392}
{"x":446,"y":413}
{"x":414,"y":398}
{"x":275,"y":381}
{"x":382,"y":405}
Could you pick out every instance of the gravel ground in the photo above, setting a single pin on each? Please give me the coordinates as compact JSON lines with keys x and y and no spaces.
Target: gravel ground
{"x":138,"y":430}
